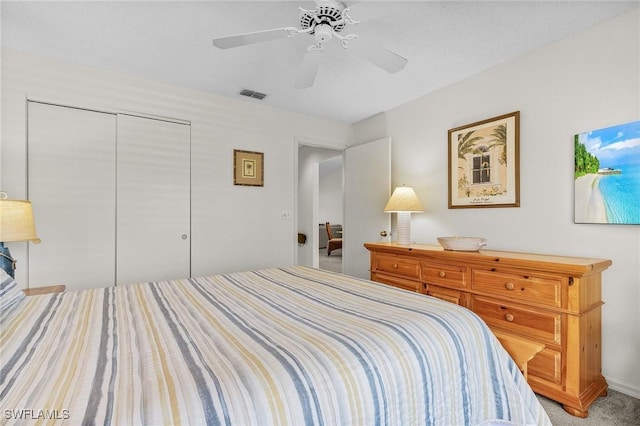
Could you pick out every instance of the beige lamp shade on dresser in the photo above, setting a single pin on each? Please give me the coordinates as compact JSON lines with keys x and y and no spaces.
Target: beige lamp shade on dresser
{"x":403,"y":201}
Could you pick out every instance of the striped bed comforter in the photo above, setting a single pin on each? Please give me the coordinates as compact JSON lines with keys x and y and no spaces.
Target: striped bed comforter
{"x":286,"y":346}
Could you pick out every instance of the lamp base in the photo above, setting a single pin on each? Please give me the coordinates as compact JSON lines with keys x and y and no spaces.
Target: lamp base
{"x":6,"y":261}
{"x":404,"y":228}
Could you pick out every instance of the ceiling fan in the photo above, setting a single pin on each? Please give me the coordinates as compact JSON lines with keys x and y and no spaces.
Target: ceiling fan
{"x":323,"y":23}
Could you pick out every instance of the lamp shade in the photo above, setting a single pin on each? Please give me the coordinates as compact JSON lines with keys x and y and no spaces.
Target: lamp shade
{"x":403,"y":199}
{"x":16,"y":221}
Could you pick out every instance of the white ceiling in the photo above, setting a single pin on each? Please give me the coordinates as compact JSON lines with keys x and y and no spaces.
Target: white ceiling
{"x":444,"y":42}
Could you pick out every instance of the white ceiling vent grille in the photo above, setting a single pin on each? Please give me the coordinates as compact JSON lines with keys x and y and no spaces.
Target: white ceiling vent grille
{"x":253,"y":94}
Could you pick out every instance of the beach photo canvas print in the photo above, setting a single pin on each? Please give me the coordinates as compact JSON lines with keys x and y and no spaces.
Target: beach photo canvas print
{"x":607,"y":175}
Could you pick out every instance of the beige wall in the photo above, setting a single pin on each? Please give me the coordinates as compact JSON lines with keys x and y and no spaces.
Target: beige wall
{"x":588,"y":81}
{"x":233,"y":227}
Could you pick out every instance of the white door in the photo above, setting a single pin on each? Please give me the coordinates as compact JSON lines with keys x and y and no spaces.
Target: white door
{"x":367,"y":190}
{"x":71,"y":184}
{"x":153,"y":199}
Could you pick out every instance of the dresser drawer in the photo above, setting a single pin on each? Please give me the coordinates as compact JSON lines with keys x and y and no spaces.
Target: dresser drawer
{"x":448,"y":275}
{"x":452,"y":296}
{"x":540,"y":325}
{"x":397,"y":282}
{"x":397,"y":265}
{"x":547,"y":365}
{"x":538,"y":289}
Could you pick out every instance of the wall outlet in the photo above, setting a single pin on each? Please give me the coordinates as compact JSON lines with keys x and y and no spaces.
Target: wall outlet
{"x":285,"y":215}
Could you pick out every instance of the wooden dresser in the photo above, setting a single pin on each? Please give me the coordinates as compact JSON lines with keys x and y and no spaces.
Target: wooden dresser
{"x":552,"y":301}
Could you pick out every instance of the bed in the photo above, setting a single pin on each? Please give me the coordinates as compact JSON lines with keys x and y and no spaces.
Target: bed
{"x":280,"y":346}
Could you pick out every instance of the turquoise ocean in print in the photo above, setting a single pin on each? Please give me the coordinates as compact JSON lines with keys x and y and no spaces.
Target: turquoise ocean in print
{"x":618,"y":150}
{"x":621,"y":193}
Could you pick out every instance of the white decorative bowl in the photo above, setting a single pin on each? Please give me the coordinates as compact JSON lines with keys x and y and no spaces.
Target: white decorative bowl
{"x":462,"y":243}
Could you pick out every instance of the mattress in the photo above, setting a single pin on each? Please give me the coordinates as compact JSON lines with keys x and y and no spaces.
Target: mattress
{"x":281,"y":346}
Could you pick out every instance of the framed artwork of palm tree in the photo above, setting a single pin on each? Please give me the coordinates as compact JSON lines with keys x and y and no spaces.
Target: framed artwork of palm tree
{"x":248,"y":168}
{"x":484,"y":163}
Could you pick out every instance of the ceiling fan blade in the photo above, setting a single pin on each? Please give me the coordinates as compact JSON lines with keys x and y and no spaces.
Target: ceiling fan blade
{"x":378,"y":55}
{"x":251,"y":38}
{"x":309,"y":69}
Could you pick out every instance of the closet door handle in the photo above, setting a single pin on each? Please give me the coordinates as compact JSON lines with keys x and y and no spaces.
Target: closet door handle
{"x":184,"y":236}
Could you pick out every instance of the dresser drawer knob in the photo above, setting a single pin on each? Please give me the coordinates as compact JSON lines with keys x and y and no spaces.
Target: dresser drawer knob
{"x":508,"y":317}
{"x":510,"y":286}
{"x":442,"y":274}
{"x":395,"y":266}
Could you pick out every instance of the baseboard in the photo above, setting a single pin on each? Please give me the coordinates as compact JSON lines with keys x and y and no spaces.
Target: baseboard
{"x":628,"y":390}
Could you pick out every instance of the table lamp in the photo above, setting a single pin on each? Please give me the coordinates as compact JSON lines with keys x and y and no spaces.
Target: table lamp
{"x":16,"y":224}
{"x":403,"y":201}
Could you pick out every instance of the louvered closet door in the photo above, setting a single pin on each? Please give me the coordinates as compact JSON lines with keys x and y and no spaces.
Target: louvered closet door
{"x":153,"y":200}
{"x":71,"y":184}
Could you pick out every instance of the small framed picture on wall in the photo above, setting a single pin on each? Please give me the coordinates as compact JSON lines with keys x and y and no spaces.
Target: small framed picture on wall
{"x":248,"y":168}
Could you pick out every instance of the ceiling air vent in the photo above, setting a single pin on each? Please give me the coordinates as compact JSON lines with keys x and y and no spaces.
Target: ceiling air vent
{"x":252,"y":94}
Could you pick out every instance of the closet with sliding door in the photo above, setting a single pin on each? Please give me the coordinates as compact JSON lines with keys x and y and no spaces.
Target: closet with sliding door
{"x":111,"y":196}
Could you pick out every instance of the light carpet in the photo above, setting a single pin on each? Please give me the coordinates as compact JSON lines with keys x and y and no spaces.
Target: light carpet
{"x":330,"y":263}
{"x":616,"y":409}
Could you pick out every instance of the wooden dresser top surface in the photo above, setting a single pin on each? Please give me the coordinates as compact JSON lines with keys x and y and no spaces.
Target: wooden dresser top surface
{"x":575,"y":266}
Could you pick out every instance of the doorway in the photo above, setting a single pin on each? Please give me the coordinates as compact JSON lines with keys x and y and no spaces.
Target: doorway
{"x":330,"y":210}
{"x":366,"y":187}
{"x":317,"y":206}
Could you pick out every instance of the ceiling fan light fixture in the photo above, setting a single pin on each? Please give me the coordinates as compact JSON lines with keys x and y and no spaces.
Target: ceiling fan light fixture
{"x":323,"y":33}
